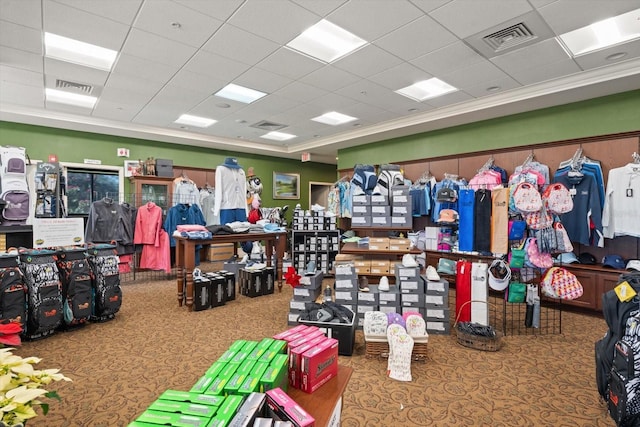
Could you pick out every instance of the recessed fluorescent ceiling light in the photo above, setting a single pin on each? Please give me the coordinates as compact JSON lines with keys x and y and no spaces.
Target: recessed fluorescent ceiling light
{"x":334,"y":118}
{"x":278,"y":136}
{"x":189,"y":120}
{"x":426,"y":89}
{"x":602,"y":34}
{"x":326,"y":41}
{"x":62,"y":97}
{"x":77,"y":52}
{"x":239,"y":93}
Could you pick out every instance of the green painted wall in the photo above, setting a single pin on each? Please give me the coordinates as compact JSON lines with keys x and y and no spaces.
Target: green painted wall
{"x":74,"y":146}
{"x":598,"y":116}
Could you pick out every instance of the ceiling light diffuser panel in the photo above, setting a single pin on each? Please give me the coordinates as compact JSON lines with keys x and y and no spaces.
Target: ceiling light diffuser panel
{"x":426,"y":89}
{"x":278,"y":136}
{"x":77,"y":52}
{"x":239,"y":93}
{"x":189,"y":120}
{"x":334,"y":118}
{"x":69,"y":98}
{"x":326,"y":41}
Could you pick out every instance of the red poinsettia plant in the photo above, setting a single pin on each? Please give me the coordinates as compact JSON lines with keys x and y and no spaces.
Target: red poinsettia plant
{"x":292,"y":278}
{"x":10,"y":334}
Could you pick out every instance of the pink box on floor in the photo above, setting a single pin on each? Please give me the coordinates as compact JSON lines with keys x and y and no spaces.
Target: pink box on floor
{"x":295,"y":359}
{"x":282,"y":335}
{"x":284,"y":407}
{"x":319,"y":365}
{"x":305,"y":338}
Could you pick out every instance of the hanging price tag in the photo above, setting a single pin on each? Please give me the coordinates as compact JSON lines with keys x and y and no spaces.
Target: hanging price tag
{"x":624,"y":291}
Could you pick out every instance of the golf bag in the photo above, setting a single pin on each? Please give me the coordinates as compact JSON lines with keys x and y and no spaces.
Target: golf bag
{"x":13,"y":185}
{"x":13,"y":291}
{"x":107,"y":295}
{"x":44,"y":292}
{"x":77,"y":286}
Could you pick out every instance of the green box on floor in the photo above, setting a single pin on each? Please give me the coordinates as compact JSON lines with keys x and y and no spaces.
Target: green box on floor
{"x":203,"y":383}
{"x":240,"y":357}
{"x":275,"y":348}
{"x":228,"y":355}
{"x":227,"y":370}
{"x":249,"y":346}
{"x":186,"y":396}
{"x":227,"y":411}
{"x":246,"y":367}
{"x":237,"y":345}
{"x":275,"y":376}
{"x":251,"y":383}
{"x":215,"y":369}
{"x":217,"y":386}
{"x":186,"y":408}
{"x":280,"y":360}
{"x":232,"y":385}
{"x":172,"y":419}
{"x":259,"y":368}
{"x":260,"y":348}
{"x":143,"y":424}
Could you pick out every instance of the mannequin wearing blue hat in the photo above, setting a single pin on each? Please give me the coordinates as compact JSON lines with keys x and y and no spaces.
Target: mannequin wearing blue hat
{"x":231,"y":192}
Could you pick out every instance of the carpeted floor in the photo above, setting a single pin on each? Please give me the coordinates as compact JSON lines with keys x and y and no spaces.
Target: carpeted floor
{"x":119,"y":367}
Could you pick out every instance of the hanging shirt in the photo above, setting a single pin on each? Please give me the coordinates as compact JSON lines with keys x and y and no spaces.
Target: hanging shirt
{"x":622,"y":203}
{"x":584,"y":222}
{"x":231,"y":189}
{"x":148,"y":222}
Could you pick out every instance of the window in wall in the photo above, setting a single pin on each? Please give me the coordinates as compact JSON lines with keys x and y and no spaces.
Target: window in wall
{"x":86,"y":186}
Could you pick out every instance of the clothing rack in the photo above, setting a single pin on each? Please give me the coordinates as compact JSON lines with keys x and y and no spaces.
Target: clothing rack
{"x":343,"y":178}
{"x":487,"y":165}
{"x":528,"y":160}
{"x":425,"y":177}
{"x":636,"y":158}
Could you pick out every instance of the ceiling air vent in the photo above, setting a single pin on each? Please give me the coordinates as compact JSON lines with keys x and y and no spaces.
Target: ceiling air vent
{"x":267,"y":125}
{"x":76,"y":87}
{"x":510,"y":37}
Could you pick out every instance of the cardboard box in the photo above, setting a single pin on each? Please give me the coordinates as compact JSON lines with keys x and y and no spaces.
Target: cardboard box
{"x":402,"y":221}
{"x":230,"y":286}
{"x":439,"y":314}
{"x":361,"y":210}
{"x":379,"y":199}
{"x":407,"y":272}
{"x":346,"y":296}
{"x":436,"y":300}
{"x":295,"y":359}
{"x":312,"y":281}
{"x":319,"y":365}
{"x":381,"y":221}
{"x":399,"y":190}
{"x":412,"y":300}
{"x":437,"y":288}
{"x":186,"y":408}
{"x":227,"y":411}
{"x":218,"y":294}
{"x":186,"y":396}
{"x":350,"y":283}
{"x":361,"y":221}
{"x":379,"y":267}
{"x":399,"y":245}
{"x":346,"y":270}
{"x":369,"y":298}
{"x":172,"y":419}
{"x":378,"y":243}
{"x":362,"y":266}
{"x":411,"y":286}
{"x":438,"y":327}
{"x":275,"y":376}
{"x":164,"y":168}
{"x":251,"y":408}
{"x":305,"y":294}
{"x":268,"y":280}
{"x":282,"y":335}
{"x":202,"y":294}
{"x":400,"y":210}
{"x":220,"y":252}
{"x":281,"y":406}
{"x":380,"y":210}
{"x":361,"y":199}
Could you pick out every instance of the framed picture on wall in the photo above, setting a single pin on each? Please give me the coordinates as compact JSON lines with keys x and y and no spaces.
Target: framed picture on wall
{"x":132,"y":168}
{"x":286,"y":185}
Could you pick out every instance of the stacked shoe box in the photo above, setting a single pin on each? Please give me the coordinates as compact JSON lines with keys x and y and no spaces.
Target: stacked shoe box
{"x":315,"y":238}
{"x":380,"y":211}
{"x":254,"y":283}
{"x":210,"y":290}
{"x":361,"y":210}
{"x":401,"y":207}
{"x":313,"y":221}
{"x":437,"y":315}
{"x":309,"y":290}
{"x":346,"y":285}
{"x":389,"y":301}
{"x":412,"y":293}
{"x":367,"y":301}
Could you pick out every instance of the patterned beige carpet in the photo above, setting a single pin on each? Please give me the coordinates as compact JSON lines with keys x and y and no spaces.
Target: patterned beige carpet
{"x":119,"y":367}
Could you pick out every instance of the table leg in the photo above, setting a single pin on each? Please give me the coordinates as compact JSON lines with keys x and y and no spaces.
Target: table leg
{"x":180,"y":271}
{"x":281,"y":247}
{"x":189,"y":248}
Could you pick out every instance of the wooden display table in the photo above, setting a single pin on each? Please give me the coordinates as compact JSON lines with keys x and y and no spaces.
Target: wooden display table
{"x":186,"y":257}
{"x":325,"y":404}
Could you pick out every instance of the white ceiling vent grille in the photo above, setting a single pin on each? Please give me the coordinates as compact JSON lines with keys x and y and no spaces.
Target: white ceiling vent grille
{"x":516,"y":33}
{"x":73,"y":86}
{"x":507,"y":38}
{"x":267,"y":125}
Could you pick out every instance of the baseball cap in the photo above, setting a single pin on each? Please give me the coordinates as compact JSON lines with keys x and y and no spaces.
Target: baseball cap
{"x":633,"y":264}
{"x":499,"y":275}
{"x":613,"y":261}
{"x":448,"y":215}
{"x":446,"y":266}
{"x":447,"y":195}
{"x":586,"y":258}
{"x":567,"y":258}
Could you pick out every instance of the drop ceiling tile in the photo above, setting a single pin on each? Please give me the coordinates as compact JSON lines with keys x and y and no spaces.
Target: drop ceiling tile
{"x":75,"y":73}
{"x":79,"y":25}
{"x":474,"y":75}
{"x":262,"y":80}
{"x":217,"y":108}
{"x":367,"y":113}
{"x":371,"y":93}
{"x":321,"y":8}
{"x":196,"y":81}
{"x":300,"y":92}
{"x":125,"y":97}
{"x":448,"y":59}
{"x":20,"y":37}
{"x":157,"y":115}
{"x":429,"y":5}
{"x":158,"y":49}
{"x":400,"y":76}
{"x":120,"y":11}
{"x":133,"y":83}
{"x":330,"y":78}
{"x":267,"y":105}
{"x":539,"y":3}
{"x":418,"y":108}
{"x":27,"y":13}
{"x":431,"y":35}
{"x":286,"y":62}
{"x":215,"y":66}
{"x":465,"y":18}
{"x":20,"y":59}
{"x":115,"y":110}
{"x":301,"y":113}
{"x":20,"y":94}
{"x":546,"y":52}
{"x":563,"y":15}
{"x":371,"y":20}
{"x":161,"y":16}
{"x":449,"y":99}
{"x":134,"y":66}
{"x":532,"y":75}
{"x":502,"y":84}
{"x":219,"y":9}
{"x":286,"y":20}
{"x":178,"y":97}
{"x":70,"y":109}
{"x":331,"y":102}
{"x":239,"y":45}
{"x":21,"y":76}
{"x":599,"y":58}
{"x":368,"y":61}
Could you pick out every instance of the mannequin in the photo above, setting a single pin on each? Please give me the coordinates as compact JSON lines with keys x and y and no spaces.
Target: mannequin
{"x":230,"y":192}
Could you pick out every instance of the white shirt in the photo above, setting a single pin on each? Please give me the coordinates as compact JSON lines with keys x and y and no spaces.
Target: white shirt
{"x":231,"y":189}
{"x":622,"y":202}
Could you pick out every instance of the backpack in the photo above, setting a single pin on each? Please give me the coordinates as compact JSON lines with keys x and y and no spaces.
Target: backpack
{"x":13,"y":291}
{"x":44,"y":292}
{"x":623,"y":398}
{"x":77,"y":286}
{"x":107,"y":294}
{"x":389,"y":176}
{"x":13,"y":185}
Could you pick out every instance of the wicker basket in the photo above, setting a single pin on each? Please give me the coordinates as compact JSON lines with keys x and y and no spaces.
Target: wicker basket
{"x":381,"y":349}
{"x":477,"y":342}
